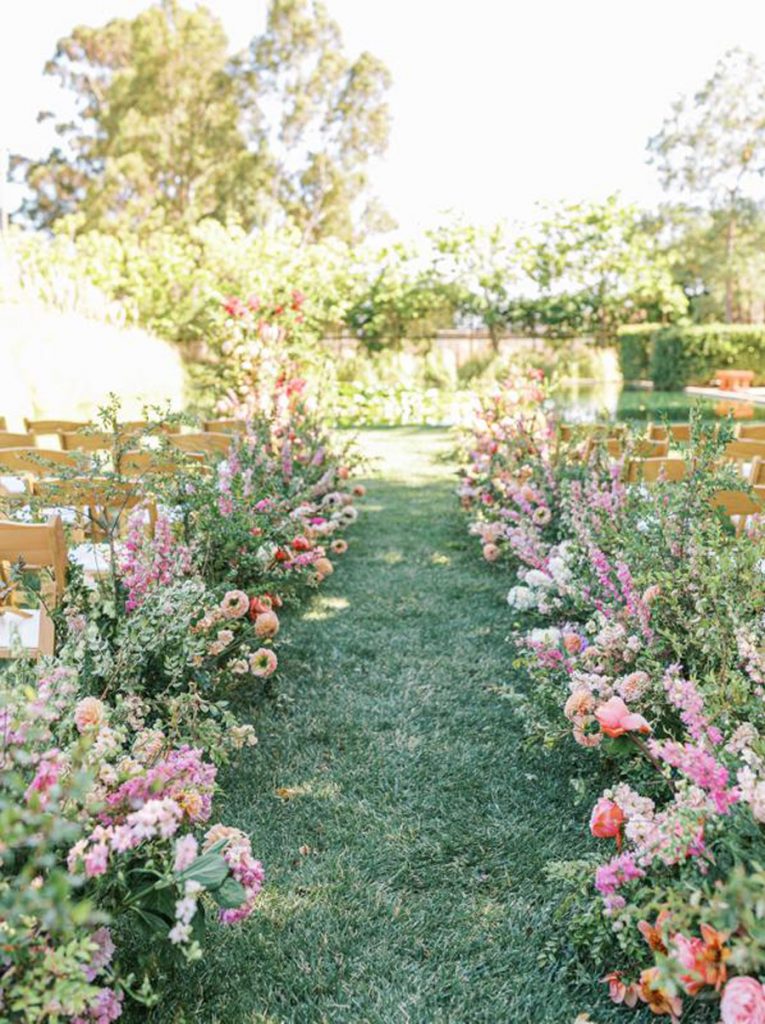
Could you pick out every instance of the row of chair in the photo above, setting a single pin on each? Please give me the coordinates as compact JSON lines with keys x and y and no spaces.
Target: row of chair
{"x":654,"y":431}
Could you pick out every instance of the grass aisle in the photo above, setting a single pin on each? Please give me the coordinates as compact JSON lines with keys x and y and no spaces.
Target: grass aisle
{"x":424,"y":825}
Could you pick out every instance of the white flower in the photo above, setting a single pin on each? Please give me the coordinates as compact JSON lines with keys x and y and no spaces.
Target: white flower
{"x":549,"y":637}
{"x":521,"y":598}
{"x":537,"y":578}
{"x":558,"y":569}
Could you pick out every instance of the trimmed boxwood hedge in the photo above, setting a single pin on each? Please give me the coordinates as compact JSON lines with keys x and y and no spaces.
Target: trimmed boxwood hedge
{"x":674,"y":357}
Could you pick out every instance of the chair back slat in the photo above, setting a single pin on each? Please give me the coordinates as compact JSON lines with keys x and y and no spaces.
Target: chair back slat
{"x":53,"y":426}
{"x":225,"y":426}
{"x":11,"y":440}
{"x":37,"y":462}
{"x":751,"y":432}
{"x":209,"y":443}
{"x":652,"y":469}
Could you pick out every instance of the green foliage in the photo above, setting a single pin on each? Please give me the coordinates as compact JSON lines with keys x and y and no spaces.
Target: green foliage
{"x":690,"y":355}
{"x":635,"y":350}
{"x":596,"y":268}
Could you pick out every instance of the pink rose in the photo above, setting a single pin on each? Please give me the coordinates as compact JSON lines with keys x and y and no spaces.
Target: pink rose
{"x":743,"y":1002}
{"x":616,"y":719}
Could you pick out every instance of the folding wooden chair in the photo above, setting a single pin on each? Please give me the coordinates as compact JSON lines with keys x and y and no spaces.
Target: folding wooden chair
{"x":653,"y":469}
{"x":224,"y":426}
{"x":208,"y":443}
{"x":41,"y":548}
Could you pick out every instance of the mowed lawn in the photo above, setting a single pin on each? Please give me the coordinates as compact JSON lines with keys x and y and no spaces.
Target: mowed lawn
{"x":403,"y":821}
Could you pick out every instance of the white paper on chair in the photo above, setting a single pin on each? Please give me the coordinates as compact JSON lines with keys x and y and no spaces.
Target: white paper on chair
{"x":94,"y":559}
{"x":27,"y":629}
{"x":12,"y":485}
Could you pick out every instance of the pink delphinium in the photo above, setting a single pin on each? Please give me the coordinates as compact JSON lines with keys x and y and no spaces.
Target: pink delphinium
{"x":151,"y":560}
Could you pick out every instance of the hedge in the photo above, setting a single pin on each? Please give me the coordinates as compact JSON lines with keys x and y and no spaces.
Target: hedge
{"x":634,"y":350}
{"x":674,"y":357}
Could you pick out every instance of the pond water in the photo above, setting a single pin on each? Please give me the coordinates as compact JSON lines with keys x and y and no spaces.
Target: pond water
{"x":586,"y":403}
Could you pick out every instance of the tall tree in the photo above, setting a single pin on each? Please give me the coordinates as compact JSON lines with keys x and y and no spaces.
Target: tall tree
{"x":321,"y":115}
{"x":155,"y":137}
{"x":713,"y":146}
{"x":168,"y":130}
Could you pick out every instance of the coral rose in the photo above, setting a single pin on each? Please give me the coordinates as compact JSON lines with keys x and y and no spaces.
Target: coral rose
{"x":606,"y":820}
{"x":491,"y":552}
{"x":260,"y":604}
{"x":90,"y":713}
{"x":616,"y":719}
{"x":339,"y":546}
{"x":323,"y":567}
{"x":235,"y":604}
{"x":359,"y":490}
{"x":266,"y":625}
{"x":743,"y":1002}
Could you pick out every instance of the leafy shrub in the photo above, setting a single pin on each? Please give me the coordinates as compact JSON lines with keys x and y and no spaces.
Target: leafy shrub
{"x":635,"y":344}
{"x":690,"y":355}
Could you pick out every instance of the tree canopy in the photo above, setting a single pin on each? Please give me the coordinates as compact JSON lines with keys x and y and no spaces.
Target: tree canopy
{"x":165,"y":128}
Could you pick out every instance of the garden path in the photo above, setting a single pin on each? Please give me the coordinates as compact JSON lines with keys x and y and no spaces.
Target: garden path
{"x":405,"y":853}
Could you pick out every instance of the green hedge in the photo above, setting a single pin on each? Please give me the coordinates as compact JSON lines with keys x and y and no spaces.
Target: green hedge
{"x":635,"y":350}
{"x":674,"y":357}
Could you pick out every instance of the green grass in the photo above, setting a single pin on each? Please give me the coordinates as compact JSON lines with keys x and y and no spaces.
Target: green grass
{"x":429,"y":823}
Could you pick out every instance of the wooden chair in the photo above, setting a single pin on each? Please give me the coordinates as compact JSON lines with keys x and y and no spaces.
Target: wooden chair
{"x":40,"y":547}
{"x":740,"y":505}
{"x":10,"y":440}
{"x":653,"y":469}
{"x":224,"y":426}
{"x":751,"y":432}
{"x":208,"y":443}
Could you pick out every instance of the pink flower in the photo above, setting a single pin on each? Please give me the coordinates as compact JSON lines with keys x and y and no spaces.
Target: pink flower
{"x":186,"y":849}
{"x":90,"y":713}
{"x":266,"y":625}
{"x":743,"y":1002}
{"x":263,"y":663}
{"x":606,"y":820}
{"x":616,"y":719}
{"x":235,"y":604}
{"x":491,"y":552}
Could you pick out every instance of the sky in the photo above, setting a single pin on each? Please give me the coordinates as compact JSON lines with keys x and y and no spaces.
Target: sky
{"x":496,"y":104}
